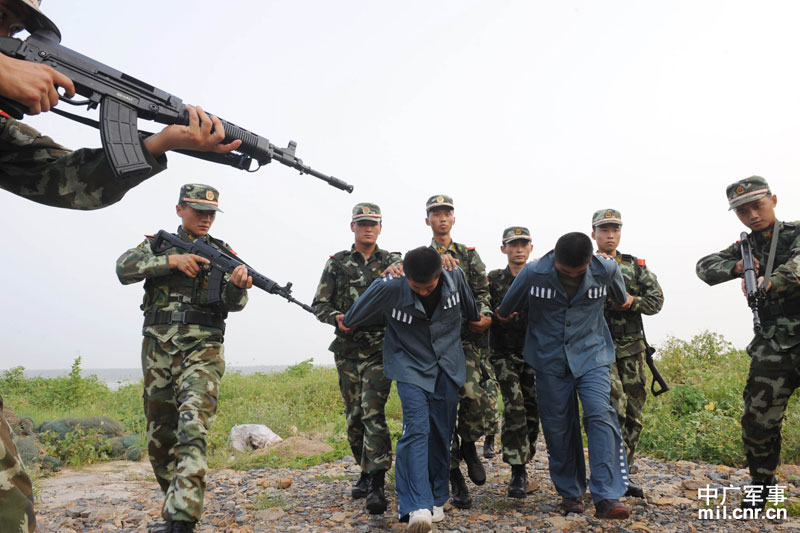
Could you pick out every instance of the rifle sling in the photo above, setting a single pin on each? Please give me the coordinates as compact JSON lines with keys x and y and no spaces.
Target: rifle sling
{"x":773,"y":246}
{"x":199,"y":318}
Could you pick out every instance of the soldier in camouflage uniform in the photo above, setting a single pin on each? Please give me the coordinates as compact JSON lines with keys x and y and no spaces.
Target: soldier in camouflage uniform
{"x":33,"y":166}
{"x":358,"y":353}
{"x":775,"y":349}
{"x":515,"y":376}
{"x":182,"y":352}
{"x":644,"y":296}
{"x":473,"y":403}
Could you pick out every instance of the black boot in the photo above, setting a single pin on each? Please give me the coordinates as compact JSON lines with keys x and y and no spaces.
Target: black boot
{"x":518,"y":483}
{"x":757,"y":498}
{"x":634,"y":491}
{"x":361,"y":488}
{"x":474,"y":466}
{"x":181,"y":526}
{"x":161,"y":527}
{"x":459,"y":495}
{"x":488,"y":446}
{"x":376,"y":499}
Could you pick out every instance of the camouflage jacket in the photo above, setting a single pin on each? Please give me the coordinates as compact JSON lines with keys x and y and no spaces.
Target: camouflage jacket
{"x":648,"y":298}
{"x":510,"y":337}
{"x":345,"y":278}
{"x":475,"y":272}
{"x":166,"y":289}
{"x":780,"y":314}
{"x":36,"y":168}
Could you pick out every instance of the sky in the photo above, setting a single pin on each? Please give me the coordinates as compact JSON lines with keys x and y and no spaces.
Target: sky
{"x":525,"y":112}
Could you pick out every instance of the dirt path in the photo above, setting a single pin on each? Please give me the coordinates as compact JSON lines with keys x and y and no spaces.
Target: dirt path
{"x":123,"y":496}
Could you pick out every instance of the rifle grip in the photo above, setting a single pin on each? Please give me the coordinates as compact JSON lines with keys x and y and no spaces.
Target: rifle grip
{"x":11,"y":107}
{"x":120,"y":136}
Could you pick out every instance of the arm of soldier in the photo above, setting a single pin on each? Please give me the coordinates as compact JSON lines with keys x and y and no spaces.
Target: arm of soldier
{"x":787,"y":275}
{"x":139,"y":263}
{"x":368,"y":309}
{"x":234,"y":295}
{"x":479,"y":284}
{"x":651,"y":299}
{"x":517,"y":295}
{"x":721,"y":266}
{"x":468,"y":304}
{"x":323,"y":306}
{"x":616,"y":283}
{"x":37,"y":168}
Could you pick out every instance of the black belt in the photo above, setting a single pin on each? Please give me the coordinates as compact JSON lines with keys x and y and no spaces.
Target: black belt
{"x":772,"y":310}
{"x":627,"y":328}
{"x":211,"y":320}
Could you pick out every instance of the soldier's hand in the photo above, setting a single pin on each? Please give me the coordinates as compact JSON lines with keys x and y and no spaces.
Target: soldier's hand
{"x":241,"y":278}
{"x":189,"y":264}
{"x":32,"y":84}
{"x":627,"y":305}
{"x":449,"y":262}
{"x":739,"y":268}
{"x":341,"y":326}
{"x":396,"y":271}
{"x":761,"y":284}
{"x":196,"y":136}
{"x":481,"y":325}
{"x":505,"y":319}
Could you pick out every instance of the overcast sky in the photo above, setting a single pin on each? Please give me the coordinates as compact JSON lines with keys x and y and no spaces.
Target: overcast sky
{"x":528,"y":113}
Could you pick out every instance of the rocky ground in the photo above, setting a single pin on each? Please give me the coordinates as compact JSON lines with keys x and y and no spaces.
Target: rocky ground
{"x":123,"y":496}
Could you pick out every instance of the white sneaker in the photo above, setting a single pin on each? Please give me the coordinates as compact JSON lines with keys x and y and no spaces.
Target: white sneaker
{"x":438,"y":513}
{"x":419,"y":521}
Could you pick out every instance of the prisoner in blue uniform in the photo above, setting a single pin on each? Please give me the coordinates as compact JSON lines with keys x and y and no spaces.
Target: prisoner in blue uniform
{"x":422,"y":353}
{"x":569,"y":346}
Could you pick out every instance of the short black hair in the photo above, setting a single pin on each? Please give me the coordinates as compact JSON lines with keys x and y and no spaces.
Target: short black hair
{"x":422,"y":264}
{"x":574,"y":249}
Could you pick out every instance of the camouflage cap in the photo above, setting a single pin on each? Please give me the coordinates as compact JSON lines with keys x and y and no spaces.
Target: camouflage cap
{"x":746,"y":190}
{"x":366,"y":211}
{"x":516,"y":233}
{"x":199,"y":196}
{"x":606,"y":216}
{"x":439,"y":200}
{"x":35,"y":19}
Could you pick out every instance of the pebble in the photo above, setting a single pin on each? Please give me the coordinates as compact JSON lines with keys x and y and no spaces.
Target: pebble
{"x":317,"y":500}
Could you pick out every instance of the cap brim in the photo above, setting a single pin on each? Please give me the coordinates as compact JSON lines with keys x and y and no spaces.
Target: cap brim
{"x":605,"y":221}
{"x":36,"y":20}
{"x":741,"y":201}
{"x":518,"y":238}
{"x":203,"y":207}
{"x":443,"y":204}
{"x":367,"y":217}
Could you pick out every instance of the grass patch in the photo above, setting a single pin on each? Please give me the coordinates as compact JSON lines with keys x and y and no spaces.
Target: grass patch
{"x":269,"y":500}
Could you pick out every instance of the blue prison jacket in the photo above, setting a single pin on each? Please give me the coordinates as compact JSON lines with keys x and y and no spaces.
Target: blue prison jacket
{"x":566,"y":335}
{"x":415,"y":348}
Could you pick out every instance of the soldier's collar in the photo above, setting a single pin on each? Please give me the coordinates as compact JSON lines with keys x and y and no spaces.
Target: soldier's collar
{"x":441,"y":249}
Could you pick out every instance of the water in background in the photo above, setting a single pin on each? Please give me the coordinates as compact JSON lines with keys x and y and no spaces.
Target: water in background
{"x":116,"y":377}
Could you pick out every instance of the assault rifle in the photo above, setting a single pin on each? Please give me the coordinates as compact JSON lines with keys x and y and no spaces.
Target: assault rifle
{"x":755,"y":294}
{"x":221,"y":264}
{"x":122,"y":99}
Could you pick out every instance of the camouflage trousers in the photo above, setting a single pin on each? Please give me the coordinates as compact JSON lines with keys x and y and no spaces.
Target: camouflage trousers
{"x":773,"y":376}
{"x":628,"y":394}
{"x":16,"y":492}
{"x":181,"y":387}
{"x":489,"y":381}
{"x":472,"y":402}
{"x":365,"y":390}
{"x":520,"y":410}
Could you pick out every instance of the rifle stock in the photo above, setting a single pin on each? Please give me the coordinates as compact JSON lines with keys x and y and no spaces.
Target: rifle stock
{"x":657,"y":378}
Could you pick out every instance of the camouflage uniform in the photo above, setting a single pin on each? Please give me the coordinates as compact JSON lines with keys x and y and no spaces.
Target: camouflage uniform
{"x":480,"y":391}
{"x":515,"y":376}
{"x":775,"y":350}
{"x":359,"y":354}
{"x":628,"y":379}
{"x":35,"y":167}
{"x":183,"y":364}
{"x":16,"y":492}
